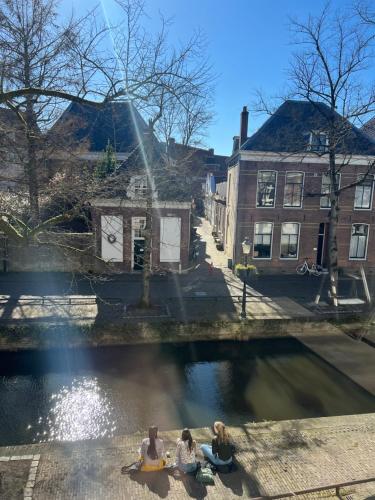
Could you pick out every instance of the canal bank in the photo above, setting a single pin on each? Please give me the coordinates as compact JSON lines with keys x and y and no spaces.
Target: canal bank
{"x":273,"y":458}
{"x":28,"y":335}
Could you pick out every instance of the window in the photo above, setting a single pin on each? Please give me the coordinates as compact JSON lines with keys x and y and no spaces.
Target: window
{"x":139,"y":226}
{"x":318,"y":142}
{"x":266,"y":188}
{"x":289,"y":240}
{"x":262,"y":240}
{"x":358,"y":241}
{"x":326,"y":190}
{"x":293,"y":189}
{"x":363,"y":192}
{"x":140,"y":185}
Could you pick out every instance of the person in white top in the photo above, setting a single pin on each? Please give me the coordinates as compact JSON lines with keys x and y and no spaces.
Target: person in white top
{"x":152,"y":456}
{"x":185,"y":453}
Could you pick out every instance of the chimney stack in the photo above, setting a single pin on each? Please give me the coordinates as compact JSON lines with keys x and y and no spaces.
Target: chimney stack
{"x":244,"y":125}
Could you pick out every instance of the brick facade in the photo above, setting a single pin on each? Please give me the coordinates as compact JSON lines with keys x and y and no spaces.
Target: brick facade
{"x":157,"y":213}
{"x":245,"y":213}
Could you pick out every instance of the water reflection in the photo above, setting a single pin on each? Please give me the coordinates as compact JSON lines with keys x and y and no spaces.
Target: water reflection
{"x":78,"y":411}
{"x":85,"y":394}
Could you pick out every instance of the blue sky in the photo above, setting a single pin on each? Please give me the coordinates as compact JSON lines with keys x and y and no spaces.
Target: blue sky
{"x":248,"y":45}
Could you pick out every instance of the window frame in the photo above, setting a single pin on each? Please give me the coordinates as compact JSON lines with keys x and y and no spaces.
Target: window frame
{"x":367,"y":238}
{"x":298,"y":241}
{"x":372,"y":192}
{"x":271,"y":244}
{"x":321,"y":190}
{"x":302,"y":189}
{"x":324,"y":148}
{"x":274,"y":200}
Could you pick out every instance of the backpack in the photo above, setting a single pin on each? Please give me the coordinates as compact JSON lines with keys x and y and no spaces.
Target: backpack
{"x":205,"y":476}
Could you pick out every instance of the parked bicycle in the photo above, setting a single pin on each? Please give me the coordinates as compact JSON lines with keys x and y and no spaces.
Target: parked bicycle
{"x":306,"y":268}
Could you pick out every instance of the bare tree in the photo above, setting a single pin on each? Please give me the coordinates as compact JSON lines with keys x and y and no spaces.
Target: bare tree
{"x":186,"y":120}
{"x":333,"y":53}
{"x":44,"y":64}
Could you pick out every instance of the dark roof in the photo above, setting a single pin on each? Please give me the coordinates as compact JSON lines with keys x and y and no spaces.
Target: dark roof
{"x":201,"y":158}
{"x":369,"y":128}
{"x":9,"y":119}
{"x":117,"y":123}
{"x":288,"y":130}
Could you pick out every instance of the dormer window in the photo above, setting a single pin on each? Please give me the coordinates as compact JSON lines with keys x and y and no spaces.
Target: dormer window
{"x":140,"y":185}
{"x":318,"y":142}
{"x":137,"y":186}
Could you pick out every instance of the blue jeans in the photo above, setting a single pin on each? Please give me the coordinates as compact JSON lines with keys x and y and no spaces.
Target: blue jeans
{"x":187,"y":468}
{"x":207,"y":452}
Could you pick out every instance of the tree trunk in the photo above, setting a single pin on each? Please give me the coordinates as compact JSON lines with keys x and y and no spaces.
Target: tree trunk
{"x":32,"y":172}
{"x":146,"y":273}
{"x":332,"y":235}
{"x":31,"y":133}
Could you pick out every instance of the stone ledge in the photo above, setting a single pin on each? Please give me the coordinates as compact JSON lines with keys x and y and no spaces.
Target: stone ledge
{"x":51,"y":336}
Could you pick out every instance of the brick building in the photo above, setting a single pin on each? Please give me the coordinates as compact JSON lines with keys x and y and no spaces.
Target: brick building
{"x":276,"y":185}
{"x":119,"y":210}
{"x":215,"y":205}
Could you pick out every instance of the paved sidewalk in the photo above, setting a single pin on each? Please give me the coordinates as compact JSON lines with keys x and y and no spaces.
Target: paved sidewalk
{"x":273,"y":458}
{"x":209,"y":291}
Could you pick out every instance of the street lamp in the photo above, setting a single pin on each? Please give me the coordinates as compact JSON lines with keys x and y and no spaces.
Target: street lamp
{"x":246,"y":247}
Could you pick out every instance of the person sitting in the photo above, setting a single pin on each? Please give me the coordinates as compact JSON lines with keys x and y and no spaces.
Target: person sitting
{"x":185,"y":453}
{"x":152,"y":456}
{"x":221,"y":450}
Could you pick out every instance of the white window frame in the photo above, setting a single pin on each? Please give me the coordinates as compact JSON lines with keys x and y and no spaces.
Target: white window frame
{"x":271,"y":246}
{"x":372,"y":192}
{"x":162,"y":242}
{"x":302,"y":192}
{"x":310,"y":145}
{"x":298,"y":241}
{"x":137,"y":221}
{"x":137,"y":187}
{"x":350,"y":241}
{"x":274,"y":200}
{"x":321,"y":186}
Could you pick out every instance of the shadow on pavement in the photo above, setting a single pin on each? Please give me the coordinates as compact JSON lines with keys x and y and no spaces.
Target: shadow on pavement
{"x":156,"y":482}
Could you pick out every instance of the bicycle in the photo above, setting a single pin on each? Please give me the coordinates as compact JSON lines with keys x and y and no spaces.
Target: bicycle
{"x":304,"y":268}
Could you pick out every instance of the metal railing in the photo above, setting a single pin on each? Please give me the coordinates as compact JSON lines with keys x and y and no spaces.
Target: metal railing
{"x":336,"y":487}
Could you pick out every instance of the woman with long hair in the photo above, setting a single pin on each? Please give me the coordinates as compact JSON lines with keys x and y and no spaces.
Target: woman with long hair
{"x":152,"y":456}
{"x":185,"y":452}
{"x":221,"y":450}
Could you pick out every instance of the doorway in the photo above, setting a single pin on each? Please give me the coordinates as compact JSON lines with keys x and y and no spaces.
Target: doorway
{"x":321,"y":255}
{"x":138,"y":243}
{"x":138,"y":252}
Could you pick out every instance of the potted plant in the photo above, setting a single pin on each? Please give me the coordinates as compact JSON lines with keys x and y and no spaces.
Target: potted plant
{"x":245,"y":271}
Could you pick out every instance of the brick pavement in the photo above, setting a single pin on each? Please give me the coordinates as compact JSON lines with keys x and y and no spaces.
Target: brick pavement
{"x":273,"y":458}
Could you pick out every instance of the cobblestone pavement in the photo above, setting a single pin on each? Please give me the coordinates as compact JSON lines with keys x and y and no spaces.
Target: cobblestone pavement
{"x":273,"y":458}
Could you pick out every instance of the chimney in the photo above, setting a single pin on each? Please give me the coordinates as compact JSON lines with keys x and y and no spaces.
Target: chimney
{"x":244,"y":124}
{"x":211,"y":151}
{"x":236,"y":141}
{"x":171,"y":145}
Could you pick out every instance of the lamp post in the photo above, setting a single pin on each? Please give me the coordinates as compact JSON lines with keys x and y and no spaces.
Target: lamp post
{"x":246,"y":247}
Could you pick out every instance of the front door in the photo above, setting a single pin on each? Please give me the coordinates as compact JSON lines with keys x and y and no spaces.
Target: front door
{"x":139,"y":250}
{"x":321,"y":255}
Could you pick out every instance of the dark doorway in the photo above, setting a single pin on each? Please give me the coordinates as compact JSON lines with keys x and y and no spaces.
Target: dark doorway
{"x":139,"y":250}
{"x":321,"y":255}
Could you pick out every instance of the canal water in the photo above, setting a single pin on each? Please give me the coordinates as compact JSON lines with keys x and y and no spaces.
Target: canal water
{"x":85,"y":394}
